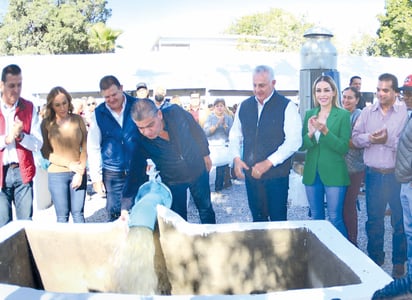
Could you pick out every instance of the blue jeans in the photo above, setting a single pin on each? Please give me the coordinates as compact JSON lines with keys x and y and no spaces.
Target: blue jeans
{"x":200,"y":190}
{"x":14,"y":190}
{"x":406,"y":200}
{"x":267,"y":198}
{"x":382,"y":189}
{"x":335,"y":196}
{"x":67,"y":200}
{"x":114,"y":183}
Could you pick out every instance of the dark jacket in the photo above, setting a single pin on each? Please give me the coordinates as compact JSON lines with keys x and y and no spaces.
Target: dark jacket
{"x":179,"y":160}
{"x":403,"y":165}
{"x":261,"y":140}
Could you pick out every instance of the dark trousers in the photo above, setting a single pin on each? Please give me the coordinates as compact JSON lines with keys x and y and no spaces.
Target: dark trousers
{"x":350,"y":213}
{"x":114,"y":183}
{"x":220,"y":177}
{"x":200,"y":190}
{"x":267,"y":198}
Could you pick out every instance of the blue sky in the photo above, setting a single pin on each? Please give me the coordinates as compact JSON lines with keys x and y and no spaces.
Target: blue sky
{"x":143,"y":21}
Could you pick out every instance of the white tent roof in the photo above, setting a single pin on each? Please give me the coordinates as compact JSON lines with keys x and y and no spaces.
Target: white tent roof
{"x":185,"y":69}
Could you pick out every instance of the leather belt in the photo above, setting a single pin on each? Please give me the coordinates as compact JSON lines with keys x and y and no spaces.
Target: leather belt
{"x":11,"y":165}
{"x":383,"y":171}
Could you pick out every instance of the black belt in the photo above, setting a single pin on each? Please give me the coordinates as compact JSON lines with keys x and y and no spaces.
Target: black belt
{"x":123,"y":173}
{"x":11,"y":165}
{"x":383,"y":171}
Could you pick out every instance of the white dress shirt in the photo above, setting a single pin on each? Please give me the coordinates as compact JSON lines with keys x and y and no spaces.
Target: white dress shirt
{"x":94,"y":138}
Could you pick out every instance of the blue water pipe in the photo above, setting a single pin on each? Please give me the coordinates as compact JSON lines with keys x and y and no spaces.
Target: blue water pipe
{"x":150,"y":194}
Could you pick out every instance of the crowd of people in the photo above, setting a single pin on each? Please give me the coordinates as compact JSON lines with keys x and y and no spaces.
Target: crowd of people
{"x":349,"y":145}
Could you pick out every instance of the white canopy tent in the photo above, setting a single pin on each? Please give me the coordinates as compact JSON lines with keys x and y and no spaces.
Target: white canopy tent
{"x":186,"y":70}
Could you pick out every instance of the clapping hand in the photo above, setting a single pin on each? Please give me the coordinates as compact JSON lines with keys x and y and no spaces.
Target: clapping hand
{"x":315,"y":125}
{"x":379,"y":136}
{"x":17,"y":127}
{"x":311,"y":126}
{"x":15,"y":131}
{"x":221,"y":121}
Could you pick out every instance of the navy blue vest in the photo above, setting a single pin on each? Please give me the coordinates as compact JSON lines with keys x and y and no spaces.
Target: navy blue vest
{"x":117,"y":142}
{"x":263,"y":138}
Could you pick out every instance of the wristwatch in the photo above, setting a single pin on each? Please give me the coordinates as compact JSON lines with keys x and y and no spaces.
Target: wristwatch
{"x":20,"y":137}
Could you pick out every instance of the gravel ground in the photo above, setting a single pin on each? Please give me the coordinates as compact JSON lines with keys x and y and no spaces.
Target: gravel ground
{"x":230,"y":206}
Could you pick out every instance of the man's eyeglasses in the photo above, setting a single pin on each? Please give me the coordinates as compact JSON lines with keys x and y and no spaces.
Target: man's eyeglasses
{"x":93,"y":103}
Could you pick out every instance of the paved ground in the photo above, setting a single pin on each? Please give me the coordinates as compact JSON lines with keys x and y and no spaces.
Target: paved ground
{"x":230,"y":206}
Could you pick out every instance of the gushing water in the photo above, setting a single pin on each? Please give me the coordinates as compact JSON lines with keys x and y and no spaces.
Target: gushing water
{"x":134,"y":271}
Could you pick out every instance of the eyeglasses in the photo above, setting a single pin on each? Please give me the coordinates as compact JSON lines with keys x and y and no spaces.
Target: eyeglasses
{"x":93,"y":103}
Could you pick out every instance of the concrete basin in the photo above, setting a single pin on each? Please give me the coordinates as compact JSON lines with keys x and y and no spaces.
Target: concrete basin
{"x":276,"y":260}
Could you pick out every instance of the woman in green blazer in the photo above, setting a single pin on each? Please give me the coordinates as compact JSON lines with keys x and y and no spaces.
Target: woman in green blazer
{"x":326,"y":133}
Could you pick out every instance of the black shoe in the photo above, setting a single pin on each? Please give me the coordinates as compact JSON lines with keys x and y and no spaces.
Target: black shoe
{"x":398,"y":287}
{"x":227,"y":184}
{"x":398,"y":271}
{"x":113,"y":217}
{"x":232,"y":173}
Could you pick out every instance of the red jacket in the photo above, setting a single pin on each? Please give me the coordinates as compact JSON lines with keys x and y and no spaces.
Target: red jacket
{"x":24,"y":111}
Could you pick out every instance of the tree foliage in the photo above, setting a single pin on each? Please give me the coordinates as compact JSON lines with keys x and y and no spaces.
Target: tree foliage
{"x":276,"y":30}
{"x":102,"y":38}
{"x":56,"y":27}
{"x":361,"y":45}
{"x":395,"y":31}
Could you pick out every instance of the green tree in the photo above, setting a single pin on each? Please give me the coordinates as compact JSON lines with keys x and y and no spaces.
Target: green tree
{"x":362,"y":46}
{"x":102,"y":38}
{"x":276,"y":30}
{"x":395,"y":31}
{"x":54,"y":27}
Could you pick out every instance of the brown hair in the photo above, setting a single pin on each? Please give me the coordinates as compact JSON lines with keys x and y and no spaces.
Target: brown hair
{"x":332,"y":84}
{"x":50,"y":114}
{"x":219,"y":100}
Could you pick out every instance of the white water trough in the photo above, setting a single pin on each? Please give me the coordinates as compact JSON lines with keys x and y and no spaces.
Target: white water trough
{"x":271,"y":260}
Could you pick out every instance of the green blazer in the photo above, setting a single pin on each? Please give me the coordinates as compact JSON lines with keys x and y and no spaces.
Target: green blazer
{"x":327,"y":156}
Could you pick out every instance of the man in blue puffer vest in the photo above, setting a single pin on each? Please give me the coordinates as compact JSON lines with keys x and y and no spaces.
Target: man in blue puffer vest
{"x":111,"y":141}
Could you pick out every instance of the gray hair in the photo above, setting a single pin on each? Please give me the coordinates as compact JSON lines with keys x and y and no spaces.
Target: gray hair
{"x":142,"y":109}
{"x":265,"y":69}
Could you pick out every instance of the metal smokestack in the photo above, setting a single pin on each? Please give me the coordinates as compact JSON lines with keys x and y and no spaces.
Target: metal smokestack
{"x":318,"y":56}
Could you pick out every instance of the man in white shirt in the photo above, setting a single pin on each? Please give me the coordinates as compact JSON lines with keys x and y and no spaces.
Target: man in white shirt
{"x":266,"y":132}
{"x":19,"y":137}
